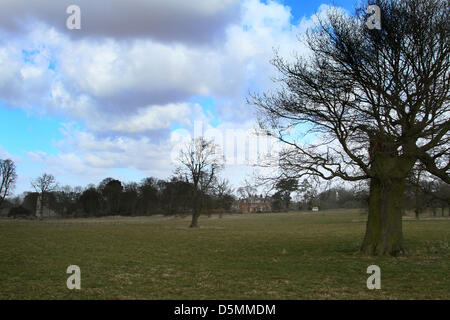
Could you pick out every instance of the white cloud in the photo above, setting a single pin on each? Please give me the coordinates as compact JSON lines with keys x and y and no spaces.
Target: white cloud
{"x":97,"y":79}
{"x":83,"y":154}
{"x":22,"y":82}
{"x":154,"y":118}
{"x":144,"y":72}
{"x":129,"y":87}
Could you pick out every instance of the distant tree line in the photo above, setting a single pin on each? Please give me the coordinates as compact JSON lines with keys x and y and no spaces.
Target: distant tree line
{"x":179,"y":195}
{"x":422,"y":193}
{"x":151,"y":196}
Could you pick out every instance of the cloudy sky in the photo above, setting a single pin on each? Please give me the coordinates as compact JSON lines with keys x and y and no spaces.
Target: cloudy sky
{"x":115,"y":98}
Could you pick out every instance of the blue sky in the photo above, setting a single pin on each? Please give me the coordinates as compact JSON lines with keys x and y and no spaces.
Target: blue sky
{"x":307,"y":8}
{"x":112,"y":102}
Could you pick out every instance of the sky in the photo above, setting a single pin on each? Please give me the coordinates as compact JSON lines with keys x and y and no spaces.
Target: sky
{"x":119,"y":97}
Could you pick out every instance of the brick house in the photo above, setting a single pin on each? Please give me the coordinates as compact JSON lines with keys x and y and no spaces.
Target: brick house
{"x":255,"y":204}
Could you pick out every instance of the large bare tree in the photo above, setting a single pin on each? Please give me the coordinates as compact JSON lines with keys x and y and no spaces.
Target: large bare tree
{"x":8,"y":178}
{"x":201,"y":160}
{"x":373,"y":102}
{"x":43,"y":185}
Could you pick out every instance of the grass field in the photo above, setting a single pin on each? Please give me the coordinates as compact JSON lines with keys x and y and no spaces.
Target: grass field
{"x":261,"y":256}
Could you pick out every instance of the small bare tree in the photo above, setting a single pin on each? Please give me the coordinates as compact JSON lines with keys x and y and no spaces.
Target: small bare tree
{"x":247,"y":189}
{"x":8,"y":178}
{"x":43,"y":185}
{"x":201,"y":160}
{"x":222,"y":189}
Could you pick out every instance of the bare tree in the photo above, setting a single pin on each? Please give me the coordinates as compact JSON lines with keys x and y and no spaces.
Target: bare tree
{"x":43,"y":185}
{"x":222,"y":187}
{"x":8,"y":178}
{"x":413,"y":186}
{"x":423,"y":190}
{"x":201,"y":160}
{"x":223,"y":191}
{"x":374,"y":102}
{"x":248,"y":189}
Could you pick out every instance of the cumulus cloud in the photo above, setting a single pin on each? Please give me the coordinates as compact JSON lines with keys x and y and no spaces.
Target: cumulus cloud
{"x":24,"y":77}
{"x":83,"y":153}
{"x":154,"y":118}
{"x":130,"y":83}
{"x":194,"y":21}
{"x":89,"y":78}
{"x":144,"y":72}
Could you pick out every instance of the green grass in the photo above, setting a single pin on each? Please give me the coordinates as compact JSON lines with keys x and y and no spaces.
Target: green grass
{"x":261,"y":256}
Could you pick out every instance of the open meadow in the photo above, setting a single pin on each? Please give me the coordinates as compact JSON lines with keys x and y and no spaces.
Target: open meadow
{"x":298,"y":255}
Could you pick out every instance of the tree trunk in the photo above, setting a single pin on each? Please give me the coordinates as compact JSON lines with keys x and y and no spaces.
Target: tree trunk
{"x":194,"y":222}
{"x":196,"y":211}
{"x":41,"y":208}
{"x":384,"y":225}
